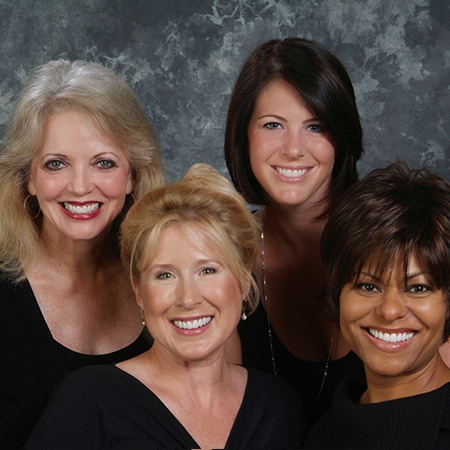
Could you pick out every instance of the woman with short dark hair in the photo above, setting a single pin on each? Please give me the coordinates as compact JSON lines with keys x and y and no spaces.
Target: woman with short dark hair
{"x":386,"y":249}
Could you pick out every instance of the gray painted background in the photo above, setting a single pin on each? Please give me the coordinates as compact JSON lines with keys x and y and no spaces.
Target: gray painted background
{"x":182,"y":58}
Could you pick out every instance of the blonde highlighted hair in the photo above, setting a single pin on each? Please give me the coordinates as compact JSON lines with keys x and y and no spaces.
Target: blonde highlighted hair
{"x":208,"y":203}
{"x":108,"y":103}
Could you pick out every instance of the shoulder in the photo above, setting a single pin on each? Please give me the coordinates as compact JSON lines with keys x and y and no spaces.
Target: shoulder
{"x":96,"y":374}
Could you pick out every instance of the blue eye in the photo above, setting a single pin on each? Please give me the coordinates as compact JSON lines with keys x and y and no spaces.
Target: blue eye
{"x":272,"y":125}
{"x":106,"y":164}
{"x":53,"y":164}
{"x":316,"y":128}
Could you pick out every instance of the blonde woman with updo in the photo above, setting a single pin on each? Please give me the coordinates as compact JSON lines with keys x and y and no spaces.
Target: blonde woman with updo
{"x":189,"y":248}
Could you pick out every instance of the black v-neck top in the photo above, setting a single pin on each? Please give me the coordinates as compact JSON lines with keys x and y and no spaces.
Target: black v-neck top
{"x":305,"y":376}
{"x":103,"y":407}
{"x":32,"y":363}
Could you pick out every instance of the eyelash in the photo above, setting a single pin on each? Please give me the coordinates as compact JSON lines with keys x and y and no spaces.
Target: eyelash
{"x":314,"y":128}
{"x":370,"y":287}
{"x":367,"y":287}
{"x":168,"y":275}
{"x":50,"y":165}
{"x":110,"y":163}
{"x":272,"y":125}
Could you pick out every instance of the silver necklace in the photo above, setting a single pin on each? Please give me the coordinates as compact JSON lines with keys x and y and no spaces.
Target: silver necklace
{"x":269,"y":326}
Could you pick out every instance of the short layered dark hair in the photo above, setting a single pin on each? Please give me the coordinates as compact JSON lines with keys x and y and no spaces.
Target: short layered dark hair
{"x":394,"y":213}
{"x":326,"y":89}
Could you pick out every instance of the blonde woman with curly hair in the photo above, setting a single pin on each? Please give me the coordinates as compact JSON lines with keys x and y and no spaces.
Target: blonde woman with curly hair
{"x":78,"y":151}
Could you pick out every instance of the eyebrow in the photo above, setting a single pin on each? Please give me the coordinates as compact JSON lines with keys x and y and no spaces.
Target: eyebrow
{"x":408,"y":276}
{"x":200,"y":261}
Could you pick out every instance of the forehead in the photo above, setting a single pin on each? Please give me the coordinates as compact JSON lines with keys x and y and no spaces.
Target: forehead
{"x":178,"y":235}
{"x":277,"y":89}
{"x":392,"y":266}
{"x":73,"y":131}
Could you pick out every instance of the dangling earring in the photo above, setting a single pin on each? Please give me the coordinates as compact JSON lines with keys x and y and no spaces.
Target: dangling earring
{"x":28,"y":209}
{"x":143,"y":318}
{"x":244,"y":304}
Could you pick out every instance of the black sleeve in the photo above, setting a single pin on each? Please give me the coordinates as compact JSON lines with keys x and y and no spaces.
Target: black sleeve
{"x":75,"y":418}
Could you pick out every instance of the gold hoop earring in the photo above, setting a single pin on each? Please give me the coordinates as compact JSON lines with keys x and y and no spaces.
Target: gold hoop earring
{"x":29,"y":208}
{"x":144,"y":323}
{"x":244,"y":314}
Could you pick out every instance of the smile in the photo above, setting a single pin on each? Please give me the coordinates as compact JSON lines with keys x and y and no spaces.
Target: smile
{"x":291,"y":173}
{"x":81,"y":209}
{"x":192,"y":324}
{"x":390,"y":337}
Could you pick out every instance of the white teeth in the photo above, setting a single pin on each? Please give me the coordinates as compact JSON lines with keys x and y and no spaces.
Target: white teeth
{"x":391,"y":337}
{"x":192,"y":324}
{"x":85,"y":209}
{"x":291,"y":173}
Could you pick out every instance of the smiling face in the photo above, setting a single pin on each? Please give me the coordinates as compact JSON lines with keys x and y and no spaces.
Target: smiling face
{"x":395,"y":328}
{"x":80,"y":178}
{"x":191,"y":299}
{"x":290,"y":154}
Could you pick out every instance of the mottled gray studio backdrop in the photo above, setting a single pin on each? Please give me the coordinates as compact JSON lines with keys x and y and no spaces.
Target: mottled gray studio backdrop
{"x":182,"y":58}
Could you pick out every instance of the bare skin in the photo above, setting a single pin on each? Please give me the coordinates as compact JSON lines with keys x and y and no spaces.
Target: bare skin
{"x":430,"y":378}
{"x":295,"y":279}
{"x":204,"y":396}
{"x":445,"y":352}
{"x":86,"y":300}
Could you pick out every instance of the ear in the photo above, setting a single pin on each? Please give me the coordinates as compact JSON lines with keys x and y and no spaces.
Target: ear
{"x":31,"y":187}
{"x":129,"y":186}
{"x":137,"y":295}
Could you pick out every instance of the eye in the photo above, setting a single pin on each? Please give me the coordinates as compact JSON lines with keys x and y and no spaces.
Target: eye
{"x":163,"y":276}
{"x":53,"y":164}
{"x":272,"y":125}
{"x":367,"y":287}
{"x":419,"y":289}
{"x":208,"y":270}
{"x":316,"y":128}
{"x":105,"y":164}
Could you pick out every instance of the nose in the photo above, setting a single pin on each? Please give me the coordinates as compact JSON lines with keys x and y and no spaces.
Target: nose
{"x":392,"y":306}
{"x":81,"y":181}
{"x":188,"y":295}
{"x":294,"y":145}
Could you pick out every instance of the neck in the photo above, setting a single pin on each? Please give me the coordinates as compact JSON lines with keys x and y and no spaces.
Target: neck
{"x":89,"y":255}
{"x":384,"y":388}
{"x":203,"y":380}
{"x":286,"y":224}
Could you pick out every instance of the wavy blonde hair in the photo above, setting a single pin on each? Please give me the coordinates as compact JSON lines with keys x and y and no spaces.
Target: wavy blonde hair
{"x":208,"y":203}
{"x":109,"y":104}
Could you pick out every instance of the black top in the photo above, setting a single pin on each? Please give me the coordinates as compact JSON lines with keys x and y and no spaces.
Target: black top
{"x":104,"y":407}
{"x":305,"y":376}
{"x":32,"y":363}
{"x":417,"y":422}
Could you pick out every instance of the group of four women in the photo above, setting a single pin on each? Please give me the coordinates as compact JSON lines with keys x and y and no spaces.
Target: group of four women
{"x":195,"y":322}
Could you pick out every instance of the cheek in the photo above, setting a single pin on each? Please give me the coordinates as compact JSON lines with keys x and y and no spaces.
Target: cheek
{"x":326,"y":154}
{"x":350,"y":312}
